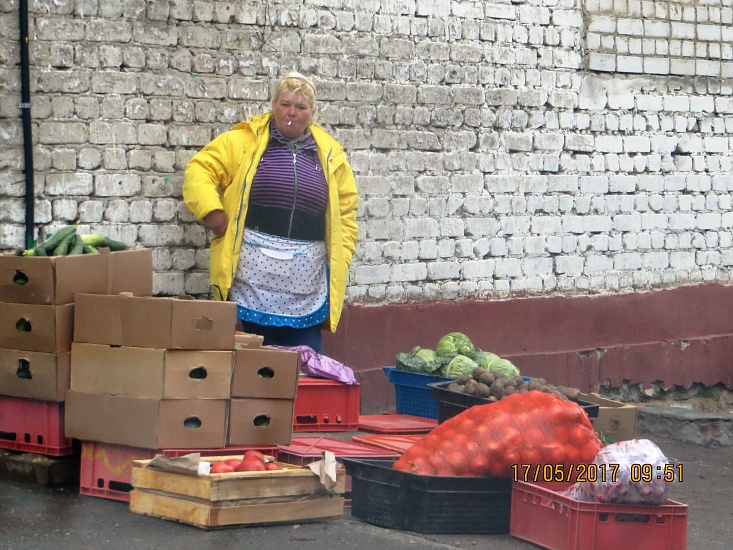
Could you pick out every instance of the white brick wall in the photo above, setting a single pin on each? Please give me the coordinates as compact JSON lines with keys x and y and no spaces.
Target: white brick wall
{"x":492,"y":157}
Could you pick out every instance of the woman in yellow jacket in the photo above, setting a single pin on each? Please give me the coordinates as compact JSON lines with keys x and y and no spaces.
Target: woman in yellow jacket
{"x":281,"y":200}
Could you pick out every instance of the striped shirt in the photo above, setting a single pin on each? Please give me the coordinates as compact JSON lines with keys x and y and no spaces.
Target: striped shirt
{"x":289,"y":191}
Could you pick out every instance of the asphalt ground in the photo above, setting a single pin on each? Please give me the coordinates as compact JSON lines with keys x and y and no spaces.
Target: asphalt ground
{"x":37,"y":517}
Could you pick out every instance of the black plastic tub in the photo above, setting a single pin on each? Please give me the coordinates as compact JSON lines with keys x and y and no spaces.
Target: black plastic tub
{"x":450,"y":403}
{"x":427,"y":504}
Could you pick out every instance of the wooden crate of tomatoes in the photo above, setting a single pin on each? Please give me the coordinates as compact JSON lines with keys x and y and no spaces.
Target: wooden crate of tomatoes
{"x":242,"y":490}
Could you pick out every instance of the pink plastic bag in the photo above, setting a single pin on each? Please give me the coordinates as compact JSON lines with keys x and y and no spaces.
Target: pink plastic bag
{"x":321,"y":366}
{"x":627,"y":472}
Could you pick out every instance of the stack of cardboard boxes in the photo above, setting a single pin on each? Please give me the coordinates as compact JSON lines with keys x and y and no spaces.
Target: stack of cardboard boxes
{"x":157,"y":375}
{"x":37,"y":297}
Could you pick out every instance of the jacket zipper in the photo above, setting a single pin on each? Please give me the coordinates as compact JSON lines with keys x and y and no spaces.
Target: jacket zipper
{"x":295,"y":194}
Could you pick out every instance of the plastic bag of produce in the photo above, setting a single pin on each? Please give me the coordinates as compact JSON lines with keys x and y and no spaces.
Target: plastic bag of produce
{"x":525,"y":435}
{"x":628,"y":472}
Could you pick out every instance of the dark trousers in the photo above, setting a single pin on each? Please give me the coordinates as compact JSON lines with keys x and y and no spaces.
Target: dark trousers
{"x":287,"y":336}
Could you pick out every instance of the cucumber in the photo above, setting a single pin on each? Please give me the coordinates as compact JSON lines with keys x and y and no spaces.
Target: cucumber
{"x":115,"y":246}
{"x":77,"y":245}
{"x":63,"y":248}
{"x":52,"y":242}
{"x":89,"y":249}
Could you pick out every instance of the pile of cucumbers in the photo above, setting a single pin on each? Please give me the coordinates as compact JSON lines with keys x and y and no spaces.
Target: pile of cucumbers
{"x":67,"y":242}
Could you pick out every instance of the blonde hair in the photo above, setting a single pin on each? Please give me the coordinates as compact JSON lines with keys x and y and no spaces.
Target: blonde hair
{"x":298,"y":84}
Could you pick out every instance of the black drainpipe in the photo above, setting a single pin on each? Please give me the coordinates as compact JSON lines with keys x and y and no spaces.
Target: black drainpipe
{"x":25,"y":109}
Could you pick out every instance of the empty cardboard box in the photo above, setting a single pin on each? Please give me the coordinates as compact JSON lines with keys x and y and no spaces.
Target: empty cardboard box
{"x":616,"y":420}
{"x":145,"y":372}
{"x":261,"y":421}
{"x":265,"y":373}
{"x":34,"y":375}
{"x":146,"y":422}
{"x":177,"y":323}
{"x":51,"y":280}
{"x":35,"y":327}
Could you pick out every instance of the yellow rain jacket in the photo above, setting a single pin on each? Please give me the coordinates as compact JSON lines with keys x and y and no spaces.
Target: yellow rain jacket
{"x":219,"y":177}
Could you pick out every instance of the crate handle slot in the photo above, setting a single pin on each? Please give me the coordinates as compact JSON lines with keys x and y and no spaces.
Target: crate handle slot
{"x":9,"y":436}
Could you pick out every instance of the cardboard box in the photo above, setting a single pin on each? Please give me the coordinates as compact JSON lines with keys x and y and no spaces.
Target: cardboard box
{"x":290,"y":495}
{"x":146,"y":422}
{"x":34,"y":375}
{"x":260,"y":421}
{"x":265,"y":373}
{"x":51,"y":280}
{"x":130,"y":271}
{"x":34,"y":327}
{"x":247,"y":340}
{"x":177,"y":323}
{"x":97,"y":319}
{"x":615,"y":420}
{"x":145,"y":372}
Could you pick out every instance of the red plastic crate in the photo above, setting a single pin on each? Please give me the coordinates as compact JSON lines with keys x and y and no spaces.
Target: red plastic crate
{"x":396,"y":424}
{"x":306,"y":449}
{"x":326,"y":406}
{"x":106,"y":469}
{"x":551,"y":520}
{"x":34,"y":426}
{"x":398,"y":443}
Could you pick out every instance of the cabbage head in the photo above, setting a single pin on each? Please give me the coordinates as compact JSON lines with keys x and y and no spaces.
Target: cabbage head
{"x":424,"y":361}
{"x":503,"y":366}
{"x":455,"y":342}
{"x":482,"y":358}
{"x":459,"y":365}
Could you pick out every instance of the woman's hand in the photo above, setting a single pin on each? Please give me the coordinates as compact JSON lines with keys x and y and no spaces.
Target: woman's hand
{"x":216,"y":220}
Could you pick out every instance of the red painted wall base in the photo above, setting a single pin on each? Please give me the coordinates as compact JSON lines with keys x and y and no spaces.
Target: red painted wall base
{"x":673,"y":336}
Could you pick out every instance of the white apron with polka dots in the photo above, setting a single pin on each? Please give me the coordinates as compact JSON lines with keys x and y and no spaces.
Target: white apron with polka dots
{"x":281,"y":276}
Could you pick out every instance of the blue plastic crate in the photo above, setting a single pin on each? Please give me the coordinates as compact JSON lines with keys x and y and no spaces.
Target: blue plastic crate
{"x":413,"y":394}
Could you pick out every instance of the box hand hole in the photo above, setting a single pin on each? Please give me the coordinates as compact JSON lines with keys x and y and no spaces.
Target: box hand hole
{"x":23,"y":325}
{"x":192,"y":422}
{"x":198,"y":373}
{"x":265,"y":372}
{"x":20,"y":278}
{"x":261,"y":421}
{"x":24,"y":369}
{"x":204,"y":323}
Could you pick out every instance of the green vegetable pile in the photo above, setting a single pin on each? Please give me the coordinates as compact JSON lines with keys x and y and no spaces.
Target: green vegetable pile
{"x":67,"y":242}
{"x":454,"y":355}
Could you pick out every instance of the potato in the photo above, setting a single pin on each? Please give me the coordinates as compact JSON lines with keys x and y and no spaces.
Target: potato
{"x":471,"y":387}
{"x":497,"y":389}
{"x":519,"y":380}
{"x":454,"y":386}
{"x":482,"y":390}
{"x":487,"y":378}
{"x":477,"y":372}
{"x":509,"y":390}
{"x":463,"y":378}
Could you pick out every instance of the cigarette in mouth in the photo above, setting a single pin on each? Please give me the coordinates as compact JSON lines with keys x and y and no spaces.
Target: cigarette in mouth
{"x":290,"y":123}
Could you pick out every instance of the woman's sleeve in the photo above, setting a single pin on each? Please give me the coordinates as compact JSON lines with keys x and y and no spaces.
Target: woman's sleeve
{"x":349,"y":203}
{"x":207,"y":174}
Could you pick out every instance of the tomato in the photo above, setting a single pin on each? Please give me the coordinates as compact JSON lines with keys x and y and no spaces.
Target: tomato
{"x":458,"y":462}
{"x":272,"y":466}
{"x":221,"y":468}
{"x":512,"y":457}
{"x":530,"y":455}
{"x":479,"y":465}
{"x":578,"y":435}
{"x":430,"y":441}
{"x":553,"y":453}
{"x":251,"y":464}
{"x":534,"y":437}
{"x":588,"y":452}
{"x":233,"y":462}
{"x":253,"y":453}
{"x":471,"y":448}
{"x":435,"y":460}
{"x":572,"y":455}
{"x":498,"y":468}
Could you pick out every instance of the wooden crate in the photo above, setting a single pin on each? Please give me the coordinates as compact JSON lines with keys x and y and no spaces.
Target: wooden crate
{"x":294,"y":494}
